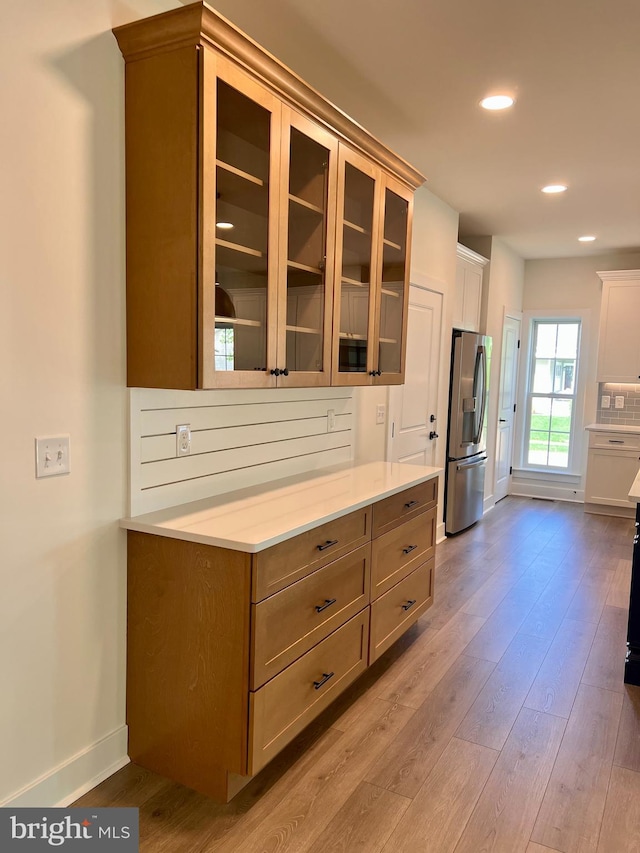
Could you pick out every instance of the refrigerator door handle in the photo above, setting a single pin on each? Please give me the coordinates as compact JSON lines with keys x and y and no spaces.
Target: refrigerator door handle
{"x":462,"y":465}
{"x":480,"y":370}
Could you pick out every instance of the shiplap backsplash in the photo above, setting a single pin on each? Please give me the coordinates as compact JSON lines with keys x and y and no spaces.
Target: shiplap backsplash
{"x":238,"y":439}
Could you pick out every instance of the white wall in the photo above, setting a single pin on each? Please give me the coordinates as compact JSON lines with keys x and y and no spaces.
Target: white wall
{"x":433,"y":255}
{"x":62,"y":566}
{"x":503,"y":292}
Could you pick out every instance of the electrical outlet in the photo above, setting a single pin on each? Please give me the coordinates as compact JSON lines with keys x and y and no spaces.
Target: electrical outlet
{"x":52,"y":456}
{"x":331,"y":420}
{"x":619,"y":402}
{"x":381,"y":411}
{"x":605,"y":401}
{"x":183,"y":439}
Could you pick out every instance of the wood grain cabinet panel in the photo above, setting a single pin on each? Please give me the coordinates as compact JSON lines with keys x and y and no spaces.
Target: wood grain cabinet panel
{"x":287,"y":624}
{"x":398,"y":552}
{"x":389,"y":512}
{"x":218,"y":130}
{"x":399,"y":608}
{"x":289,"y":561}
{"x":284,"y":706}
{"x":230,"y":654}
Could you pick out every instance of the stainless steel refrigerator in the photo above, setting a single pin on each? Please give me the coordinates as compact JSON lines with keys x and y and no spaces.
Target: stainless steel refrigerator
{"x":466,"y":443}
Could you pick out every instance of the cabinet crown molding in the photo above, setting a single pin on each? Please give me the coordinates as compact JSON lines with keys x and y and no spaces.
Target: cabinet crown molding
{"x":619,"y":275}
{"x":199,"y":24}
{"x":469,"y":255}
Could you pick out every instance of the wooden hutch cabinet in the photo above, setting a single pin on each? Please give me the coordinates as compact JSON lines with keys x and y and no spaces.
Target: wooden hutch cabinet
{"x":268,"y":235}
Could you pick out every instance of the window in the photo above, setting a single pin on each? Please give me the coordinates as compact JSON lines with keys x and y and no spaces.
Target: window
{"x":223,"y":347}
{"x":551,"y":393}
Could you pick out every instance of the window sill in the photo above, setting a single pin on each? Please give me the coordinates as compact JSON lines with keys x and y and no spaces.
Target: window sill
{"x":547,"y":474}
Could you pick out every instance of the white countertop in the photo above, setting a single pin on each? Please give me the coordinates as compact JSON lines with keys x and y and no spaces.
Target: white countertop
{"x":634,"y":492}
{"x":628,"y":428}
{"x":256,"y":518}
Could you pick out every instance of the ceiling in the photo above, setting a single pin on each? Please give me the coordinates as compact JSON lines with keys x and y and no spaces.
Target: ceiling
{"x":412,"y":72}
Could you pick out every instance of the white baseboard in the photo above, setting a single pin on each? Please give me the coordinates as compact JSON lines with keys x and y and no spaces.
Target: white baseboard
{"x":440,"y":534}
{"x":74,"y":777}
{"x":533,"y":489}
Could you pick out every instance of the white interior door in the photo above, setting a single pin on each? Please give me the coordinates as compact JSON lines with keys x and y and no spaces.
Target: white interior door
{"x":506,"y":415}
{"x":412,"y":405}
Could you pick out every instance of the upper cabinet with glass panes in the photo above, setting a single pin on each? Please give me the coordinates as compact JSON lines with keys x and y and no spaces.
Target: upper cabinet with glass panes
{"x":268,"y":234}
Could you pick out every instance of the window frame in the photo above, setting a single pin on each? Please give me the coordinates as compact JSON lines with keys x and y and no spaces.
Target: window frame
{"x":576,"y":442}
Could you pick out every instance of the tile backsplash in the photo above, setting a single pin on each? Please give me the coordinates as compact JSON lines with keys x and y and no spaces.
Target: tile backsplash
{"x":630,"y":414}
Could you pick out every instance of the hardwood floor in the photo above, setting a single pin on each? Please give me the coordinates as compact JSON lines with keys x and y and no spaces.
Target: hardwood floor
{"x":500,"y":722}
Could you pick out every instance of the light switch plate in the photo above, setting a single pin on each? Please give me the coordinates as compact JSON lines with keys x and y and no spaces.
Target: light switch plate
{"x":52,"y":456}
{"x":605,"y":401}
{"x":619,"y":402}
{"x":381,"y":411}
{"x":331,"y":420}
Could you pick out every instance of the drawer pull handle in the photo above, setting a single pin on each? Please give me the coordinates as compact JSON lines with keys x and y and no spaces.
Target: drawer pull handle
{"x":327,"y":603}
{"x":409,"y":604}
{"x":616,"y":441}
{"x":325,"y":677}
{"x":409,"y":549}
{"x":328,"y":544}
{"x":411,"y":504}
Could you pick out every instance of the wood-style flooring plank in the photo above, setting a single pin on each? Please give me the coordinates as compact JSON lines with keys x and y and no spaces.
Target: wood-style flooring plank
{"x":131,"y":786}
{"x":620,"y":585}
{"x":588,"y":602}
{"x":410,"y":758}
{"x":627,"y":752}
{"x":437,"y":815}
{"x":547,"y":614}
{"x":620,"y":831}
{"x":299,"y":818}
{"x":538,"y":848}
{"x":571,"y":812}
{"x":495,"y":636}
{"x":448,"y":603}
{"x":491,"y":593}
{"x":415,"y":680}
{"x":492,"y":715}
{"x":506,"y":811}
{"x":364,"y":822}
{"x":605,"y":664}
{"x":178,"y":814}
{"x":555,"y":687}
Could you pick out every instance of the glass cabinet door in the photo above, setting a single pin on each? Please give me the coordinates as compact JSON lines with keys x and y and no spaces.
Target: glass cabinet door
{"x":394,"y":282}
{"x":356,"y":261}
{"x":241,"y":148}
{"x":307,"y":237}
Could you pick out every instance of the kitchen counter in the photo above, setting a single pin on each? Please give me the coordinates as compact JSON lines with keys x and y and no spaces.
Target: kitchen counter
{"x":626,"y":428}
{"x":634,"y":491}
{"x":256,"y":518}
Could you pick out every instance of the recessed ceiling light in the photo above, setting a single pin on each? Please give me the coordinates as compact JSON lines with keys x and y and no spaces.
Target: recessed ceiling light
{"x":497,"y":102}
{"x":554,"y":188}
{"x":225,"y":226}
{"x":588,"y":238}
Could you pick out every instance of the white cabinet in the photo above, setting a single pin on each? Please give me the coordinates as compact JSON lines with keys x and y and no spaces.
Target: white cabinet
{"x":619,"y":340}
{"x":612,"y":466}
{"x":468,"y":295}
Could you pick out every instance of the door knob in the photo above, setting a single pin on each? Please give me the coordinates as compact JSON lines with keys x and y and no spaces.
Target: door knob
{"x":433,"y":434}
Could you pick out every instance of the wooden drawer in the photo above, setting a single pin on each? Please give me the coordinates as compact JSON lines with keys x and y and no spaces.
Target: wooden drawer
{"x":289,"y":623}
{"x":392,"y":511}
{"x":282,"y":564}
{"x":287,"y":703}
{"x":614,"y":441}
{"x":399,"y":608}
{"x":397,"y":553}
